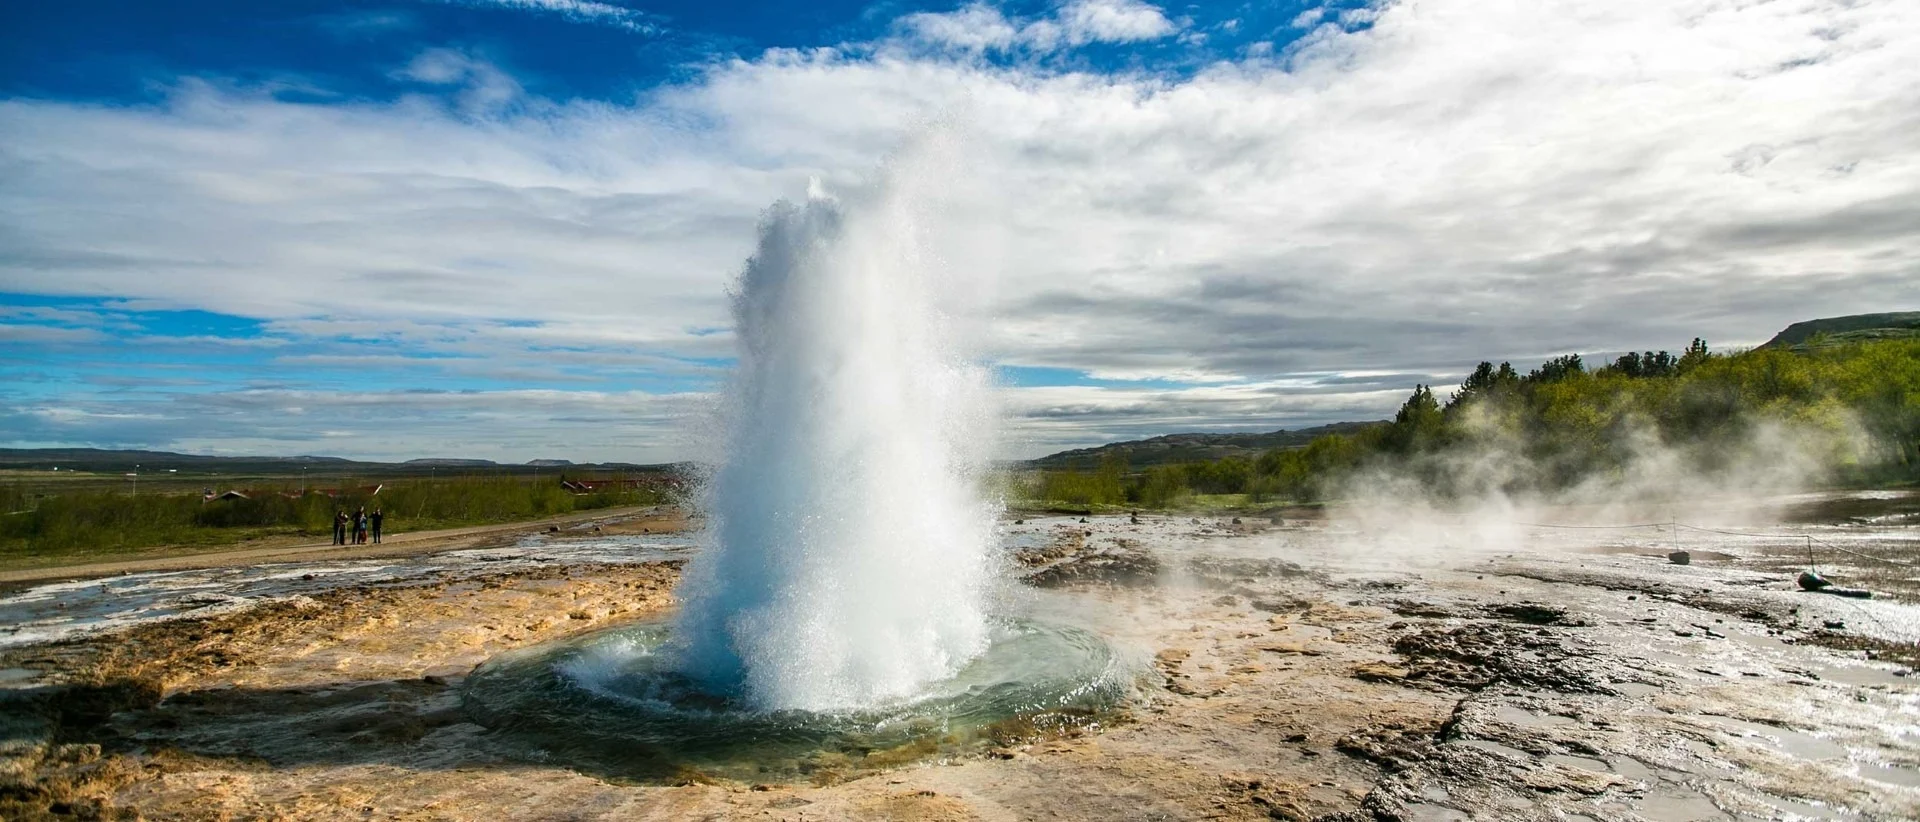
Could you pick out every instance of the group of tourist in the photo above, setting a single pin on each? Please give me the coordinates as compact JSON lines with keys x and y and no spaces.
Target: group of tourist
{"x":358,"y":525}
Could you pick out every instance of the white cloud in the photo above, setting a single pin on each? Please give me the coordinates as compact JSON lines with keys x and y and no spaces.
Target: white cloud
{"x":974,"y":27}
{"x":1113,"y":21}
{"x":485,"y":88}
{"x":49,"y":335}
{"x":979,"y":27}
{"x":584,"y":11}
{"x":1454,"y":181}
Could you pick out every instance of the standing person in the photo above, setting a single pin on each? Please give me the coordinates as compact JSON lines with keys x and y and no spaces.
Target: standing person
{"x":360,"y":526}
{"x":339,"y":527}
{"x":375,"y":519}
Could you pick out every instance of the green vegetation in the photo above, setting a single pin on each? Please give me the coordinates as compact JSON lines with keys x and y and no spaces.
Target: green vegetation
{"x":1843,"y":330}
{"x":55,"y":520}
{"x":1847,"y":412}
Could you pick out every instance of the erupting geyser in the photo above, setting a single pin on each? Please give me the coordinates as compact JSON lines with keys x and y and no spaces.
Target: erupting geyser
{"x":836,"y":616}
{"x":850,"y":542}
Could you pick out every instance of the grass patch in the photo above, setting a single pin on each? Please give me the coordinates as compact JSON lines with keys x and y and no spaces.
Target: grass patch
{"x":48,"y":527}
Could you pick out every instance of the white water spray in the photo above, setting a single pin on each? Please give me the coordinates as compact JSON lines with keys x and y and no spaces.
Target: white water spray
{"x":849,"y":556}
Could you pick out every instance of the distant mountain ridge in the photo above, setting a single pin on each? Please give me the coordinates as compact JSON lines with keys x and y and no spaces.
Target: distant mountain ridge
{"x":1171,"y":448}
{"x":1854,"y":328}
{"x":112,"y":460}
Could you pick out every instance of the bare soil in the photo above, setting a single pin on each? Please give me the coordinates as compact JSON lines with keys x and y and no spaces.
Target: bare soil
{"x":1281,"y":677}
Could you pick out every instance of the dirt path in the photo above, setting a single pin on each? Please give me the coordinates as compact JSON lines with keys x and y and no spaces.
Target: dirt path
{"x":392,"y":545}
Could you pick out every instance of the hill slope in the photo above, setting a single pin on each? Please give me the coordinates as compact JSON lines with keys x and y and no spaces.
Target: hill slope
{"x":1172,"y":448}
{"x":115,"y":461}
{"x":1856,"y":328}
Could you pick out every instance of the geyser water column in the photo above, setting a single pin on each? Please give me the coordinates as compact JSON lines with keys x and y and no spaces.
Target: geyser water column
{"x":849,"y":554}
{"x":835,"y":621}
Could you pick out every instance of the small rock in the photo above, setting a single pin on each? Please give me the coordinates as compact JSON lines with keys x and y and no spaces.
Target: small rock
{"x":1680,"y":558}
{"x":1835,"y":625}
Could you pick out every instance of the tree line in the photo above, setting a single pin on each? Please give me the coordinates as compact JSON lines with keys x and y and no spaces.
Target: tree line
{"x":1855,"y":407}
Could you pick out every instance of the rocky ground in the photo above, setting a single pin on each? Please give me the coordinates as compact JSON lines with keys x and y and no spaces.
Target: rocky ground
{"x":1284,"y":673}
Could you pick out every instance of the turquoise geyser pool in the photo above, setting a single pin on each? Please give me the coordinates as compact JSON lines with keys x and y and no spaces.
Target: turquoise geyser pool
{"x":610,"y":704}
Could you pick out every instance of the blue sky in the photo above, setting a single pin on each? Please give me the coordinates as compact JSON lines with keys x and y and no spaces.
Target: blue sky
{"x":506,"y":228}
{"x":127,"y":52}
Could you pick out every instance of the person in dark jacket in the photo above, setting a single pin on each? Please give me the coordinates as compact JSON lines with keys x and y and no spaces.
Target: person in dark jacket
{"x":376,"y":518}
{"x":339,"y":527}
{"x":360,"y":526}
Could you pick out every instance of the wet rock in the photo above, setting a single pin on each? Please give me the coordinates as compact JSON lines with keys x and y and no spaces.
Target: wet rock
{"x":1680,"y":558}
{"x":1295,"y":648}
{"x":1280,"y":606}
{"x":1233,"y":569}
{"x":1390,"y":744}
{"x":1423,"y":610}
{"x":1063,"y":545}
{"x":1268,"y":797}
{"x":1533,"y":613}
{"x":1126,"y":564}
{"x":1378,"y":672}
{"x":1478,"y":656}
{"x":445,"y":674}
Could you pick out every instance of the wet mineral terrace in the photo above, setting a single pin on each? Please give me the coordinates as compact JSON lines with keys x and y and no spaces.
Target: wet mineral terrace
{"x":1290,"y":671}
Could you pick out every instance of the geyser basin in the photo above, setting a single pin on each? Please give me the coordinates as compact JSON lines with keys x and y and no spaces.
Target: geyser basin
{"x":610,"y":703}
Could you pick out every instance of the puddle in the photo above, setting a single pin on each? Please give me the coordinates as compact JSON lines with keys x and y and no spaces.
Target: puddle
{"x":1794,"y":810}
{"x":1581,"y":762}
{"x":1528,"y":719}
{"x":1633,"y":769}
{"x":1890,"y":774}
{"x":1636,"y":688}
{"x":1495,"y":747}
{"x":1423,"y":812}
{"x":1671,"y":802}
{"x":1794,"y":743}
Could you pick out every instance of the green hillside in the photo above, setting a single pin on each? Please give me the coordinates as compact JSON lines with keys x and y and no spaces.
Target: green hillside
{"x":1854,"y":329}
{"x":1194,"y":447}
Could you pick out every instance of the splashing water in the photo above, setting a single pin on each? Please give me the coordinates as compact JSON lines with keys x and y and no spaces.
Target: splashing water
{"x":849,"y":557}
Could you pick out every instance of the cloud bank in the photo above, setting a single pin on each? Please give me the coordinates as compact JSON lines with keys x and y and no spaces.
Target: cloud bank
{"x":1280,"y":239}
